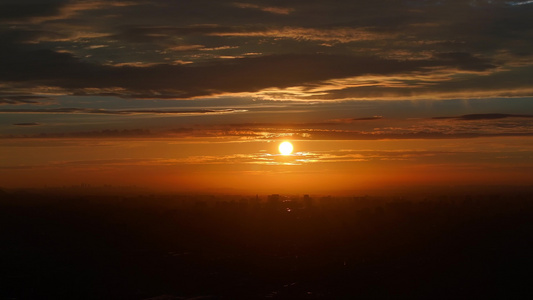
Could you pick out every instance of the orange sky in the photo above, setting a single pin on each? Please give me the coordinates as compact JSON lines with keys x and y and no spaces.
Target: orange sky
{"x":227,"y":165}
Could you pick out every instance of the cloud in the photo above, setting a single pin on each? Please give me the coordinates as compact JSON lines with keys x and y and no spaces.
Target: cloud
{"x":339,"y":34}
{"x":368,"y":118}
{"x":24,"y":9}
{"x":47,"y":68}
{"x":27,"y":124}
{"x":466,"y":61}
{"x":428,"y":129}
{"x":267,"y":159}
{"x":70,"y":9}
{"x":186,"y":47}
{"x":167,"y":34}
{"x":437,"y":158}
{"x":150,"y":34}
{"x":269,"y":9}
{"x":442,"y":84}
{"x":98,"y":47}
{"x":519,"y":2}
{"x":58,"y":34}
{"x":96,"y":134}
{"x":119,"y":112}
{"x":477,"y":117}
{"x":354,"y":135}
{"x":24,"y":99}
{"x":288,"y":126}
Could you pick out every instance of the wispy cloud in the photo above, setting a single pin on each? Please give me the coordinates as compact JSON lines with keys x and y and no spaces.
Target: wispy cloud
{"x":519,"y":2}
{"x":476,"y":117}
{"x":266,"y":159}
{"x":27,"y":124}
{"x":340,"y":35}
{"x":461,"y":127}
{"x":24,"y":99}
{"x":241,"y":75}
{"x":120,"y":112}
{"x":68,"y":10}
{"x":269,"y":9}
{"x":368,"y":118}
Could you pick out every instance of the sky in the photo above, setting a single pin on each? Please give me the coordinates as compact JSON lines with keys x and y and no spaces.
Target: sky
{"x":195,"y":96}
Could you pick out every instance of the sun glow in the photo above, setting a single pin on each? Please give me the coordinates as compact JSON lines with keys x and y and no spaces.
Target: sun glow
{"x":285,"y":148}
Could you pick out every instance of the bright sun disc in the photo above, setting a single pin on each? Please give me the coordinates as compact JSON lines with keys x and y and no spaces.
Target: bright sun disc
{"x":285,"y":148}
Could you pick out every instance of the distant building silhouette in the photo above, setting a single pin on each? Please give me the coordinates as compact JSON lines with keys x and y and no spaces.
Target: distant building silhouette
{"x":274,"y":198}
{"x":308,"y":201}
{"x":274,"y":201}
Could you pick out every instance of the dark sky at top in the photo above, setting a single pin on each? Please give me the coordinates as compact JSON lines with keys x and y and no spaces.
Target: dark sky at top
{"x":306,"y":50}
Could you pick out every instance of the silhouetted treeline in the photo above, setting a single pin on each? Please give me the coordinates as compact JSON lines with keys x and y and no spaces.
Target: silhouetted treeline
{"x":180,"y":247}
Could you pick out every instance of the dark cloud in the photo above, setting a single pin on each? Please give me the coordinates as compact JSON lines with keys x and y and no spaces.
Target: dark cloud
{"x":278,"y":125}
{"x":21,"y":36}
{"x":301,"y":125}
{"x":106,"y":133}
{"x":92,"y":47}
{"x":27,"y":124}
{"x":273,"y":133}
{"x":368,"y":118}
{"x":336,"y":135}
{"x":117,"y":112}
{"x":63,"y":70}
{"x":512,"y":82}
{"x":144,"y":34}
{"x":476,"y":117}
{"x":23,"y":99}
{"x":24,"y":9}
{"x":466,"y":61}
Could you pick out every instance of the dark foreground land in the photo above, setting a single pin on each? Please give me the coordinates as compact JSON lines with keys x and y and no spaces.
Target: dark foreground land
{"x":168,"y":247}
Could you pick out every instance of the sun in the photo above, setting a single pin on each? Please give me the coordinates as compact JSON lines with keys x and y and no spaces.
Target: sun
{"x":285,"y":148}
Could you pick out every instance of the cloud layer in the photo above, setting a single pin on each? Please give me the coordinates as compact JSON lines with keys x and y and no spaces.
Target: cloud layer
{"x":312,"y":50}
